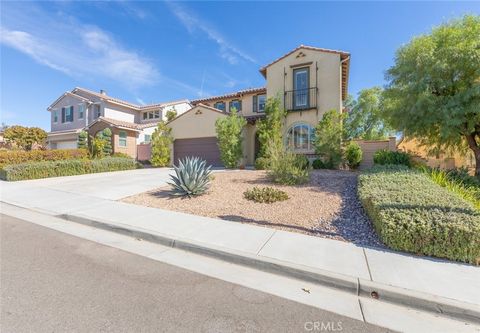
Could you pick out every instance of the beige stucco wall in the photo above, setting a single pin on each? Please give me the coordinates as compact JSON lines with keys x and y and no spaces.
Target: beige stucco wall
{"x":196,"y":123}
{"x":443,"y":161}
{"x":327,"y":78}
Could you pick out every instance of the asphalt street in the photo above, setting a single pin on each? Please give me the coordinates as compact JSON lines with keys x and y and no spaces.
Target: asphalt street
{"x":54,"y":282}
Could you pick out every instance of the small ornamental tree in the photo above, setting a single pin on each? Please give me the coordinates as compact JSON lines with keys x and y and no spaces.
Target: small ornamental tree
{"x":107,"y":137}
{"x":433,"y":91}
{"x":229,"y":135}
{"x":328,"y":139}
{"x":161,"y":145}
{"x":82,"y":142}
{"x":97,"y":145}
{"x":270,"y":129}
{"x":171,"y":114}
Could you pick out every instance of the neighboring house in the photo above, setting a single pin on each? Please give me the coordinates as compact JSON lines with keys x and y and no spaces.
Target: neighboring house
{"x":443,"y":160}
{"x":309,"y":82}
{"x":82,"y":109}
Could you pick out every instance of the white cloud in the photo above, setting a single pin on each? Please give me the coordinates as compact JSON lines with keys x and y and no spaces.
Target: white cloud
{"x":192,"y":23}
{"x":140,"y":101}
{"x":78,"y":50}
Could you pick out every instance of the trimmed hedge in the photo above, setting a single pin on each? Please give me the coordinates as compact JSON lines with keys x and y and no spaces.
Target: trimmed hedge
{"x":35,"y":170}
{"x":8,"y":157}
{"x":411,"y":213}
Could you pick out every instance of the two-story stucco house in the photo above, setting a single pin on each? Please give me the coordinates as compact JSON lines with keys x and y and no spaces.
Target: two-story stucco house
{"x":309,"y":82}
{"x":82,"y":109}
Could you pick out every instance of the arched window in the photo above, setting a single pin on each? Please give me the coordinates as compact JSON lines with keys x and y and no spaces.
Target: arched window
{"x":300,"y":137}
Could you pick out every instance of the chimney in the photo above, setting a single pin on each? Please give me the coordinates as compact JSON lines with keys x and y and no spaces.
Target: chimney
{"x":103,"y":92}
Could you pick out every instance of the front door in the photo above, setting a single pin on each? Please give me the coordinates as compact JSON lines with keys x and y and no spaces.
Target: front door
{"x":300,"y":88}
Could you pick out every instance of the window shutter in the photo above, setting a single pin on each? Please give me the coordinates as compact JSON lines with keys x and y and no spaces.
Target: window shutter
{"x":239,"y":106}
{"x":255,"y":104}
{"x":63,"y":115}
{"x":229,"y":106}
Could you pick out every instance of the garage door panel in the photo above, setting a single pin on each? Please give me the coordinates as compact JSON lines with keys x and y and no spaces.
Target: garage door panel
{"x":205,"y":148}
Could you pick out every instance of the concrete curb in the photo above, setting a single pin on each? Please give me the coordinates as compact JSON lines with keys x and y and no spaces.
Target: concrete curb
{"x":417,"y":300}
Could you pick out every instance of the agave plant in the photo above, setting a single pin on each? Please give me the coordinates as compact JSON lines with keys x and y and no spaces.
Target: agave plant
{"x":192,"y":177}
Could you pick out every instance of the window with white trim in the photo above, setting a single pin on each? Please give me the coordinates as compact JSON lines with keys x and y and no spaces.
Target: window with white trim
{"x":122,"y":139}
{"x":147,"y":138}
{"x":300,"y":137}
{"x":67,"y":114}
{"x":219,"y":106}
{"x":151,"y":115}
{"x":81,"y":111}
{"x":55,"y":116}
{"x":237,"y":104}
{"x":96,"y":111}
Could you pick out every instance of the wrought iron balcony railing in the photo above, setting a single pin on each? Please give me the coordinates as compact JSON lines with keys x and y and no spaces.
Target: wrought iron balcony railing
{"x":300,"y":99}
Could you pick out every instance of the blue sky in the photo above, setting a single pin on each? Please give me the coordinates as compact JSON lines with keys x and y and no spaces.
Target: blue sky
{"x":148,"y":52}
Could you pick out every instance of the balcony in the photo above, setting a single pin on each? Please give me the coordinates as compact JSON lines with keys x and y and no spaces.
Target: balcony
{"x":300,"y":99}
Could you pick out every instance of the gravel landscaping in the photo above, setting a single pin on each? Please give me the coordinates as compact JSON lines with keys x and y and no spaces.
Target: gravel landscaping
{"x":327,"y":206}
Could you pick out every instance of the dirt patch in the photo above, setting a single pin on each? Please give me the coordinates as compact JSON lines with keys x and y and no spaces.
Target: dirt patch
{"x":327,"y":206}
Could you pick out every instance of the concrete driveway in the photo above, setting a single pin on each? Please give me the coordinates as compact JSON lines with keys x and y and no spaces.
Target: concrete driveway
{"x":105,"y":185}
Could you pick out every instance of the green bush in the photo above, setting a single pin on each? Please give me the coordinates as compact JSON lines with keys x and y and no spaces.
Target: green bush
{"x":8,"y":157}
{"x":353,"y":155}
{"x":455,"y":183}
{"x":318,"y":164}
{"x":411,"y":213}
{"x":287,"y":168}
{"x":265,"y":195}
{"x":384,"y":157}
{"x":261,"y":163}
{"x":229,"y":135}
{"x":35,"y":170}
{"x":162,"y":140}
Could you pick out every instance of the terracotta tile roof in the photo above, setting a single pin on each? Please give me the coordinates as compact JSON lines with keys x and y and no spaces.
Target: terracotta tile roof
{"x":118,"y":123}
{"x":344,"y":57}
{"x":239,"y":93}
{"x":125,"y":103}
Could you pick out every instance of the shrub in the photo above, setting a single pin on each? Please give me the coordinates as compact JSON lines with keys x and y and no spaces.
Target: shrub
{"x":304,"y":162}
{"x":384,"y":157}
{"x":82,"y":142}
{"x":229,"y":134}
{"x":265,"y":195}
{"x":411,"y":213}
{"x":192,"y":177}
{"x":328,"y":137}
{"x":318,"y":164}
{"x":461,"y":175}
{"x":45,"y":169}
{"x":161,"y":145}
{"x":8,"y":157}
{"x":107,"y":136}
{"x":261,"y":163}
{"x":353,"y":155}
{"x":97,"y":146}
{"x":287,"y":168}
{"x":121,"y":155}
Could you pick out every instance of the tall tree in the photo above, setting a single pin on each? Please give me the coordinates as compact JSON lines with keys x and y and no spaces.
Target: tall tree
{"x":433,"y":93}
{"x":328,"y":138}
{"x":270,"y":129}
{"x":161,"y":145}
{"x":229,"y":134}
{"x":364,"y":119}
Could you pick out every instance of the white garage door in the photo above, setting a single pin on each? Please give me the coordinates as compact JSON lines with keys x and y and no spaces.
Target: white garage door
{"x":66,"y":144}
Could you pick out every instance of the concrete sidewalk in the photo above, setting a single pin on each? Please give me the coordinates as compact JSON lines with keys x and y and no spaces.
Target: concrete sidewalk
{"x":426,"y":283}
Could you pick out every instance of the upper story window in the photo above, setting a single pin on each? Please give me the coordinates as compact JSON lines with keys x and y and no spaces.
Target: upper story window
{"x":55,"y":116}
{"x":219,"y":106}
{"x":300,"y":87}
{"x":122,"y":139}
{"x":300,"y":137}
{"x":237,"y":104}
{"x":151,"y":115}
{"x":259,"y":103}
{"x":81,"y":111}
{"x":96,"y":111}
{"x":67,"y":114}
